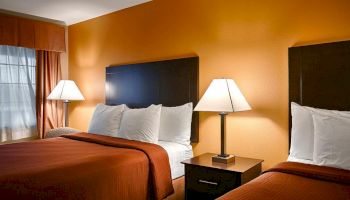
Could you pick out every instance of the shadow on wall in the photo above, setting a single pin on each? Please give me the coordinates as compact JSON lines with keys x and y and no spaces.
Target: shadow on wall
{"x":160,"y":58}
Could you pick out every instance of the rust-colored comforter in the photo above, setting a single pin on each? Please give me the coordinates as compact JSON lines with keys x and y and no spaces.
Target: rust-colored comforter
{"x":295,"y":181}
{"x":84,"y":166}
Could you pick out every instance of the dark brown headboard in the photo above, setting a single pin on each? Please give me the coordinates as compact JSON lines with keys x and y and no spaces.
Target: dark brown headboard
{"x":168,"y":82}
{"x":319,"y":76}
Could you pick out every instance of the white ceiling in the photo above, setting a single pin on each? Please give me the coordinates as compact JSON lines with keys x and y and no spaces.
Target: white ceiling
{"x":67,"y":11}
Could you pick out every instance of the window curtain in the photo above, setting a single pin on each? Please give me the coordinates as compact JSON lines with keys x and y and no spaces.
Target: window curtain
{"x":49,"y":114}
{"x":17,"y":93}
{"x":18,"y":31}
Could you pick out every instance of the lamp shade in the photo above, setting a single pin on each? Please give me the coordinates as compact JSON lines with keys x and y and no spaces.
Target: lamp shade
{"x":222,"y":95}
{"x":66,"y":90}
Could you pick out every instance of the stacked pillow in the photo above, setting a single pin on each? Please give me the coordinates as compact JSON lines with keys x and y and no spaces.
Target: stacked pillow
{"x":141,"y":124}
{"x":175,"y":124}
{"x":321,"y":136}
{"x":106,"y":119}
{"x":149,"y":124}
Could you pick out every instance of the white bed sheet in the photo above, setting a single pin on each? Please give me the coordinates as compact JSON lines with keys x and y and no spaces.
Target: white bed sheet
{"x":177,"y":153}
{"x":294,"y":159}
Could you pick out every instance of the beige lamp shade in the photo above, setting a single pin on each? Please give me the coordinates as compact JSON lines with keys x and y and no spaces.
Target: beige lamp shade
{"x":222,"y":95}
{"x":66,"y":90}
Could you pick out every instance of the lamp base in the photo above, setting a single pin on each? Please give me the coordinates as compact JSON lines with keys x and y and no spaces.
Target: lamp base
{"x":226,"y":159}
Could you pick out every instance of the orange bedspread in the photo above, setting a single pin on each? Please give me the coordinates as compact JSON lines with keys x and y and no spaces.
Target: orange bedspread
{"x":84,"y":166}
{"x":295,"y":181}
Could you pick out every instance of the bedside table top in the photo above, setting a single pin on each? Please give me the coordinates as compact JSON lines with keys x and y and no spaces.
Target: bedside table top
{"x":241,"y":164}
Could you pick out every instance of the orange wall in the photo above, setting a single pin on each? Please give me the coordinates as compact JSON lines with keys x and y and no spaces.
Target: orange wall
{"x":244,"y":40}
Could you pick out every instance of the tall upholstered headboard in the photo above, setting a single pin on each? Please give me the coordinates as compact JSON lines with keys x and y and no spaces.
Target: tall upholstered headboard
{"x":168,"y":82}
{"x":319,"y":76}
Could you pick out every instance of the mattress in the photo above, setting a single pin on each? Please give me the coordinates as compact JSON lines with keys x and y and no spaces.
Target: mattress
{"x":177,"y":153}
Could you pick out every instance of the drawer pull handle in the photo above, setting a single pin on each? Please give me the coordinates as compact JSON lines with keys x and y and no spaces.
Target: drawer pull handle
{"x":207,"y":182}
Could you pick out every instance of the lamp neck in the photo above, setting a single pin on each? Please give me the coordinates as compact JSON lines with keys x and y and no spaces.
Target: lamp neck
{"x":223,"y":136}
{"x":65,"y":105}
{"x":223,"y":113}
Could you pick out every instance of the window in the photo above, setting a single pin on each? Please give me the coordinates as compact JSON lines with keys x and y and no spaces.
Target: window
{"x":17,"y":93}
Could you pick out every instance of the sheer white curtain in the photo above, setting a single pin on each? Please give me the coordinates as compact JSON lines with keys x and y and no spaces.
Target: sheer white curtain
{"x":17,"y":93}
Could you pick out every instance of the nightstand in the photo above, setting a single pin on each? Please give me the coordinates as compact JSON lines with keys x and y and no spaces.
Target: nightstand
{"x":205,"y":179}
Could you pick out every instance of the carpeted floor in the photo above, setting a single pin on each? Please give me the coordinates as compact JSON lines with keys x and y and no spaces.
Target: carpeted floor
{"x":179,"y":187}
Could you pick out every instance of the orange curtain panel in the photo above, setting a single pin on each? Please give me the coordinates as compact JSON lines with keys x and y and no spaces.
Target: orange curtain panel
{"x":49,"y":113}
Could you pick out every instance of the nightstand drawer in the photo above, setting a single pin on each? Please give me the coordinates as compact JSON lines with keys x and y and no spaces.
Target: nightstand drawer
{"x":209,"y":183}
{"x":205,"y":179}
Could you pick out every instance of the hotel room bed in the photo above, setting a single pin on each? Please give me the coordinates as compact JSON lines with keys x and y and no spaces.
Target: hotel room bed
{"x":318,"y":78}
{"x":291,"y":180}
{"x":84,"y":166}
{"x":90,"y":166}
{"x":35,"y":170}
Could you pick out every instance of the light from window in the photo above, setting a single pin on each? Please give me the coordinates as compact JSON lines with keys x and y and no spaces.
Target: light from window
{"x":17,"y":93}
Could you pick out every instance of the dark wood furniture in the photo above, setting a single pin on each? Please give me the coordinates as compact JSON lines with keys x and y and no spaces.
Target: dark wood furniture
{"x":205,"y":179}
{"x":319,"y":76}
{"x":168,"y":82}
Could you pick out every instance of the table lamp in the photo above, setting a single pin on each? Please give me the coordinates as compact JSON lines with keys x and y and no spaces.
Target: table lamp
{"x":67,"y":91}
{"x":223,"y":96}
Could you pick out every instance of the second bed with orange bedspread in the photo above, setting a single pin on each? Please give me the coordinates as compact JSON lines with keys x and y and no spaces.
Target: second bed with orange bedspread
{"x":291,"y":181}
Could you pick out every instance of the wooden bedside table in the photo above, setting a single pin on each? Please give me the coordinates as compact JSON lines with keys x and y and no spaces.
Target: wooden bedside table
{"x":205,"y":179}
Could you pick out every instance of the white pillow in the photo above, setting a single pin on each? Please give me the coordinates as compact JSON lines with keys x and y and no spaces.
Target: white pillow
{"x":302,"y":134}
{"x":106,"y":119}
{"x":299,"y":160}
{"x":175,"y":124}
{"x":141,"y":124}
{"x":332,"y":141}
